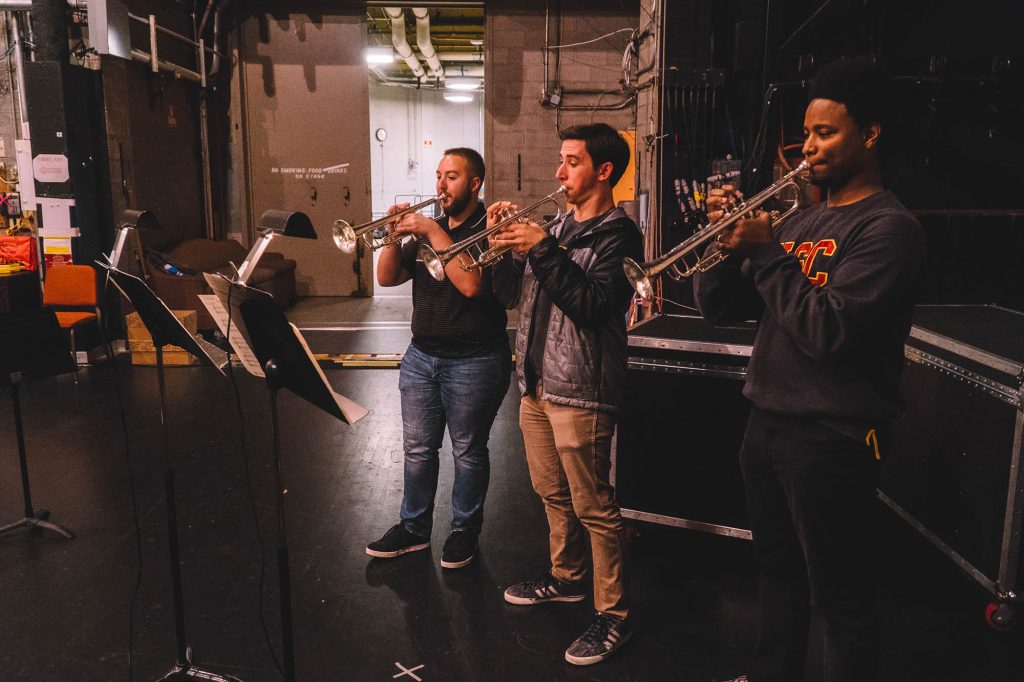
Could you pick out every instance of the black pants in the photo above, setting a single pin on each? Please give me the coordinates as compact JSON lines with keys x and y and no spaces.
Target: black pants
{"x":811,"y":492}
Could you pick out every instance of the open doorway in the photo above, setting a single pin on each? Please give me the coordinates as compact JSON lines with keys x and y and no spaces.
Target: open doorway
{"x":426,"y":73}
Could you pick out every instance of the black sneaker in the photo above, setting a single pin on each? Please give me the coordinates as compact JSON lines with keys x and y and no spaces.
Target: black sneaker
{"x":605,"y":634}
{"x":459,"y":549}
{"x":544,"y":589}
{"x":396,"y":542}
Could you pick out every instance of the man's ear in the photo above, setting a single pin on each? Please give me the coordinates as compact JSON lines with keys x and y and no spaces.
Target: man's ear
{"x":604,"y":171}
{"x":871,"y":135}
{"x":476,"y":184}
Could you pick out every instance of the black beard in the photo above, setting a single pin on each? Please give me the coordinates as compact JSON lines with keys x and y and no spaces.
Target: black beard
{"x":459,"y":204}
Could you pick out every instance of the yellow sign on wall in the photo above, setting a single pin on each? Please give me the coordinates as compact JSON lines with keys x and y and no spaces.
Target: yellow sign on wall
{"x":625,"y":189}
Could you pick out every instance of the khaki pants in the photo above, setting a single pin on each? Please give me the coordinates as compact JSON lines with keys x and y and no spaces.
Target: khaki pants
{"x":568,"y":450}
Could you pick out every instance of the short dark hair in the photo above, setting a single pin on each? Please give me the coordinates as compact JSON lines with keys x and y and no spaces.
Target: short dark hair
{"x":604,"y":144}
{"x":860,"y":84}
{"x":473,"y":160}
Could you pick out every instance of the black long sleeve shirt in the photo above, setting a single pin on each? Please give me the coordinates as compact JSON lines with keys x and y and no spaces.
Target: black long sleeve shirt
{"x":834,"y":299}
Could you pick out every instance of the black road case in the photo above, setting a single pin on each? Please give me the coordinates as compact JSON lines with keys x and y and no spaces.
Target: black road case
{"x":954,"y":471}
{"x":675,"y":457}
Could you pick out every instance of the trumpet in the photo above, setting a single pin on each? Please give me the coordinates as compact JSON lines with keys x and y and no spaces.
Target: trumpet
{"x":346,"y":236}
{"x":437,"y":260}
{"x":643,"y":275}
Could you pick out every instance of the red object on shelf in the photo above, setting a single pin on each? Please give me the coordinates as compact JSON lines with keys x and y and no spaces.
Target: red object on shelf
{"x":18,"y":250}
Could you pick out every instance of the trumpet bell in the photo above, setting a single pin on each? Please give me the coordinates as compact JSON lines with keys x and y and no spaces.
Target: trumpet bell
{"x":344,"y":236}
{"x":432,"y":261}
{"x":638,"y":278}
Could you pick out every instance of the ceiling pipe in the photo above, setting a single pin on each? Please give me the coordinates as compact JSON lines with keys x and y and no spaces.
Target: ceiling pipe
{"x":424,"y":43}
{"x":461,"y":57}
{"x":215,"y":65}
{"x":397,"y":17}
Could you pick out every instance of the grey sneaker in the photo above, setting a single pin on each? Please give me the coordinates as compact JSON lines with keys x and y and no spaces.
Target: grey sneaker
{"x":459,"y":549}
{"x":396,"y":542}
{"x":605,"y":634}
{"x":544,"y":589}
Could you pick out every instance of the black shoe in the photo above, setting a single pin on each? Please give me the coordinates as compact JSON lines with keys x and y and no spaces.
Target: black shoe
{"x":544,"y":589}
{"x":459,"y":549}
{"x":396,"y":542}
{"x":605,"y":634}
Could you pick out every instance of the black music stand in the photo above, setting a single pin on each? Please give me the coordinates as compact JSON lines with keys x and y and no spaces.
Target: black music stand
{"x":165,"y":329}
{"x":287,"y":363}
{"x":31,"y":347}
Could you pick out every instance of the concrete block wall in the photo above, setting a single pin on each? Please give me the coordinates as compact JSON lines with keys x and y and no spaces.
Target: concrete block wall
{"x":518,"y":128}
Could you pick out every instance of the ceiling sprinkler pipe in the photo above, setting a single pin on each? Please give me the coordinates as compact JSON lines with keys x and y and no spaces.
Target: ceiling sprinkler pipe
{"x":397,"y":17}
{"x":424,"y":43}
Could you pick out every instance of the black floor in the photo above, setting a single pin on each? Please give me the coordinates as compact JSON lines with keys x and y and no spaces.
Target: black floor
{"x":65,"y":604}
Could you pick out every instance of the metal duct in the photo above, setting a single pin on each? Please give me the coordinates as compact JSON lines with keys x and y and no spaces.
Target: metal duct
{"x":215,"y":65}
{"x":397,"y":17}
{"x":477,"y":57}
{"x":424,"y":43}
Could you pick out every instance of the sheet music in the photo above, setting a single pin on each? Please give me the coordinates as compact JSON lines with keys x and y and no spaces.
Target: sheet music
{"x":353,"y":411}
{"x":220,"y":316}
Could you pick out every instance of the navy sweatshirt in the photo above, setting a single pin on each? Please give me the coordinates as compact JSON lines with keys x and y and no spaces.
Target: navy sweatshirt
{"x":834,"y":299}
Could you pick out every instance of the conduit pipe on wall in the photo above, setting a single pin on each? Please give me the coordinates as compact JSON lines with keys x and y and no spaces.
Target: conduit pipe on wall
{"x":397,"y":17}
{"x":423,"y":42}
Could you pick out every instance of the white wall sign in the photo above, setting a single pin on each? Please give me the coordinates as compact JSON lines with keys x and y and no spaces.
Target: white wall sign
{"x":50,"y":168}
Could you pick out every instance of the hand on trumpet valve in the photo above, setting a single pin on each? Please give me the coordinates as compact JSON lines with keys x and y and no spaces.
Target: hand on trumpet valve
{"x":721,"y":200}
{"x":747,"y":235}
{"x":521,"y":236}
{"x":498,"y":211}
{"x":417,"y":225}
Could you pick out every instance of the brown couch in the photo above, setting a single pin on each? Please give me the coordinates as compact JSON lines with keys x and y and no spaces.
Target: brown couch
{"x":274,"y":274}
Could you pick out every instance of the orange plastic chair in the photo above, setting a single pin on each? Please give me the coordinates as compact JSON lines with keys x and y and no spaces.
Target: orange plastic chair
{"x":71,"y":291}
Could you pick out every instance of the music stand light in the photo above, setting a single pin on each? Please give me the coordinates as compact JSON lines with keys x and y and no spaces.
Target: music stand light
{"x":127,"y":239}
{"x":274,"y":222}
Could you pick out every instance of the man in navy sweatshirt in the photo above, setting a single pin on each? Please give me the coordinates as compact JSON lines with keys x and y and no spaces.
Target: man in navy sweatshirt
{"x":832,"y":290}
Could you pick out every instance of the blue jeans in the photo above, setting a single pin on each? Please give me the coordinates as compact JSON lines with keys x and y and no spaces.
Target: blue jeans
{"x":464,"y":394}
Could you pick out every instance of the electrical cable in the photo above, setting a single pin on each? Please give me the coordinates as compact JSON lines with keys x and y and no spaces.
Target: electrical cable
{"x":135,"y":505}
{"x":248,"y":483}
{"x":587,"y":42}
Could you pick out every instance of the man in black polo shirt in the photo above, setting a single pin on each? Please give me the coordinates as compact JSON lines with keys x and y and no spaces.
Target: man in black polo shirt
{"x":455,"y":372}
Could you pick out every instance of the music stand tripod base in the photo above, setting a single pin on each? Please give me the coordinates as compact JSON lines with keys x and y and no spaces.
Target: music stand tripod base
{"x":43,"y":355}
{"x":38,"y":521}
{"x":33,"y":519}
{"x":190,"y":673}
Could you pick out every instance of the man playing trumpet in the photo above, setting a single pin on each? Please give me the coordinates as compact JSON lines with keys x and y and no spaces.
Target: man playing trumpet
{"x":833,"y":292}
{"x":572,"y":297}
{"x":455,"y":372}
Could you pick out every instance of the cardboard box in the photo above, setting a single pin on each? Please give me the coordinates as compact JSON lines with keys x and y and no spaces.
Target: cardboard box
{"x":140,"y":343}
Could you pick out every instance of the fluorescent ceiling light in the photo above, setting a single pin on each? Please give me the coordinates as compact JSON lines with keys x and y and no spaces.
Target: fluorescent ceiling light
{"x":462,"y":83}
{"x":476,"y":42}
{"x":380,"y":55}
{"x":458,"y":97}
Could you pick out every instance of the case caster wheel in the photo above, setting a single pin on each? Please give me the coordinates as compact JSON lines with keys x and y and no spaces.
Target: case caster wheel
{"x":999,"y":616}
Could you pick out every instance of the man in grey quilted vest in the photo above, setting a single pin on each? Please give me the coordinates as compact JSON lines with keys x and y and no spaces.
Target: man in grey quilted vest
{"x":572,"y":297}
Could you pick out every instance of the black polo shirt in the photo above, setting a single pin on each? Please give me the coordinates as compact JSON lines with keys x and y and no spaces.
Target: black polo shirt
{"x":445,"y":323}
